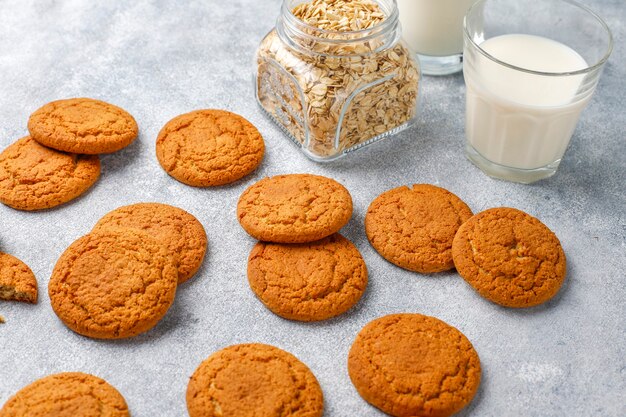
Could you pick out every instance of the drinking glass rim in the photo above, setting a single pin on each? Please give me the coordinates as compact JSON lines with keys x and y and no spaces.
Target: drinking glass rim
{"x":545,"y":73}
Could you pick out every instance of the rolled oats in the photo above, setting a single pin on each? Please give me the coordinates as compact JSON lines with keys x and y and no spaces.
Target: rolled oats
{"x":333,"y":90}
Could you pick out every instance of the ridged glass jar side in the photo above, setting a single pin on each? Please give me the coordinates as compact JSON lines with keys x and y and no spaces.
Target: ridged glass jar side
{"x":334,"y":92}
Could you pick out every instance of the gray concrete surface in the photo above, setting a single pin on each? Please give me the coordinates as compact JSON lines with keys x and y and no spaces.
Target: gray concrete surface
{"x":158,"y":59}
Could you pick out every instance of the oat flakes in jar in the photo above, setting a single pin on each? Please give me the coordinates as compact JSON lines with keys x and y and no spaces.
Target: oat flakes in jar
{"x":336,"y":76}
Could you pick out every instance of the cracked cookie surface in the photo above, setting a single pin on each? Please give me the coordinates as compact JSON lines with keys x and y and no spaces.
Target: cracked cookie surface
{"x":83,"y":125}
{"x":33,"y":177}
{"x":207,"y":148}
{"x":414,"y":227}
{"x":510,"y":257}
{"x":308,"y":281}
{"x":253,"y":380}
{"x":70,"y":394}
{"x":180,"y":231}
{"x":113,"y":284}
{"x":17,"y":281}
{"x":294,"y":208}
{"x":411,"y":365}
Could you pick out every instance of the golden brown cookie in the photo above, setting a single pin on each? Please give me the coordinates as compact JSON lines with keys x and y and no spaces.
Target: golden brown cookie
{"x":294,"y":208}
{"x":509,"y":257}
{"x":33,"y":177}
{"x":70,"y":394}
{"x":181,"y":232}
{"x":206,"y":148}
{"x":17,"y":281}
{"x":113,"y":284}
{"x":414,"y":227}
{"x":410,"y":365}
{"x":253,"y":380}
{"x":308,"y":281}
{"x":83,"y":125}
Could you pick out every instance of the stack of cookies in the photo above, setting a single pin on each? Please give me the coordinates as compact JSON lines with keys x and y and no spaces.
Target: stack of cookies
{"x":59,"y":160}
{"x":508,"y":256}
{"x":302,"y":269}
{"x":119,"y":280}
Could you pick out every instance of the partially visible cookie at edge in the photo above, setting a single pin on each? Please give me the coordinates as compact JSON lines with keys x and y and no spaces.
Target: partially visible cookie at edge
{"x":510,"y":257}
{"x":180,"y":231}
{"x":208,"y":148}
{"x":113,"y":284}
{"x":295,"y":208}
{"x":308,"y":281}
{"x":17,"y":281}
{"x":83,"y":125}
{"x":34,"y":177}
{"x":253,"y":380}
{"x":411,"y":365}
{"x":70,"y":393}
{"x":414,"y":227}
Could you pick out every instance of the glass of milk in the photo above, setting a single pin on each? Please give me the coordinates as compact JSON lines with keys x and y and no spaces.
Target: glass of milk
{"x":434,"y":29}
{"x":530,"y":68}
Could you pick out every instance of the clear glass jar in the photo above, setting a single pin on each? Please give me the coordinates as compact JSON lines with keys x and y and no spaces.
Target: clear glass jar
{"x":334,"y":92}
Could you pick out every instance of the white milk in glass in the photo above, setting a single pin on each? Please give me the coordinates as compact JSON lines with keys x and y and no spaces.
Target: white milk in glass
{"x":434,"y":27}
{"x":519,"y":119}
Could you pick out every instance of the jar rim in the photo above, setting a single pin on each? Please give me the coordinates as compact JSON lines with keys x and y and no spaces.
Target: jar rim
{"x":391,"y":19}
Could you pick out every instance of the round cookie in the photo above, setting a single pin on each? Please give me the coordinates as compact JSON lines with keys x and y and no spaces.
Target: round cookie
{"x":113,"y":284}
{"x":509,"y":257}
{"x":414,"y":227}
{"x":253,"y":380}
{"x":296,"y":208}
{"x":207,"y":148}
{"x":181,"y":232}
{"x":410,"y":365}
{"x":308,"y":281}
{"x":17,"y":281}
{"x":67,"y":394}
{"x":33,"y":177}
{"x":83,"y":125}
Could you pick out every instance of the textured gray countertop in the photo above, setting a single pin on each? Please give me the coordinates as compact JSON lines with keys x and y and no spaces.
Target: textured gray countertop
{"x":158,"y":59}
